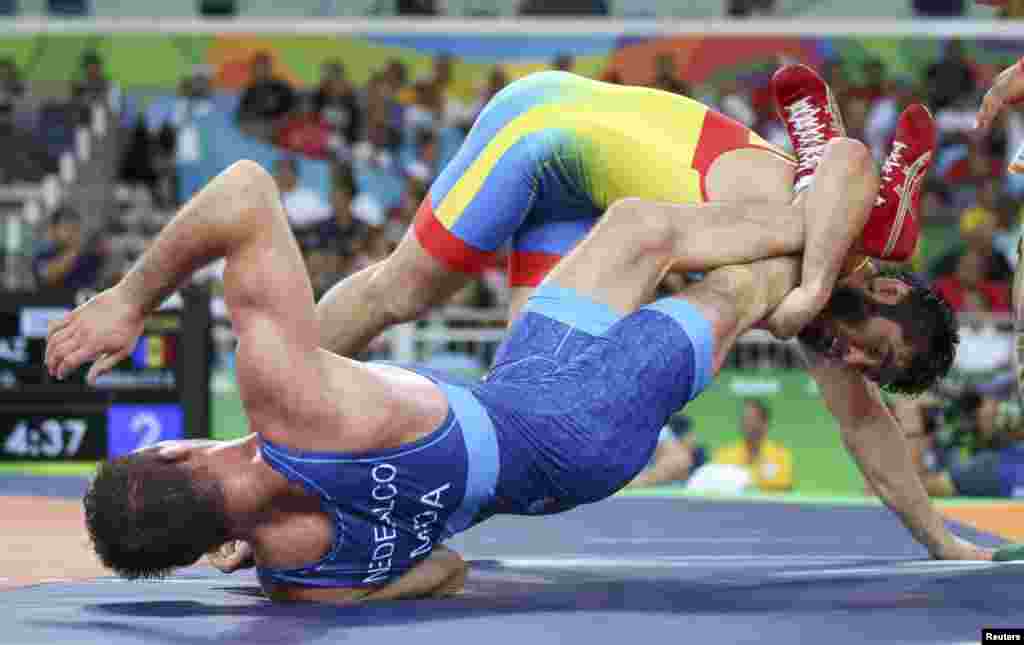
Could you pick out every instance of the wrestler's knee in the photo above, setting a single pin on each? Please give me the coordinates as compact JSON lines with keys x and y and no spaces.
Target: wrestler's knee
{"x":640,"y":229}
{"x":851,"y":156}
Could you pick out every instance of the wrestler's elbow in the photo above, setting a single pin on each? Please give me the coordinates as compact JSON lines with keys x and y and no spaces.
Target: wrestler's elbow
{"x":253,"y":189}
{"x":458,"y":571}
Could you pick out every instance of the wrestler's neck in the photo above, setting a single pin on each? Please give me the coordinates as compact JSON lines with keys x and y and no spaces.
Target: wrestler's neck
{"x":254,"y":493}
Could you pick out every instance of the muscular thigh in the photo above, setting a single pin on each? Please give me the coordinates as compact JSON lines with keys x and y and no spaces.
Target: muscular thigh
{"x":750,"y":175}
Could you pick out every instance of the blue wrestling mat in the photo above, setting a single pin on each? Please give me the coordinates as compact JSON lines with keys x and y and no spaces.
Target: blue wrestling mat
{"x":628,"y":570}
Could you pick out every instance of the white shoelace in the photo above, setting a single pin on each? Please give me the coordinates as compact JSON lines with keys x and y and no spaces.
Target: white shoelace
{"x":809,"y":131}
{"x":892,"y":162}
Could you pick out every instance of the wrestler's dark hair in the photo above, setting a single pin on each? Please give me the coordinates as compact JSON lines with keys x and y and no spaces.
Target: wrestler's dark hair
{"x":147,"y":516}
{"x":929,"y":323}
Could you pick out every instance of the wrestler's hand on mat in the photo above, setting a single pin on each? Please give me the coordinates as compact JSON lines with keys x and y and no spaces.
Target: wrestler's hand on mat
{"x":103,"y":330}
{"x":961,"y":549}
{"x":232,"y":556}
{"x":1007,"y":89}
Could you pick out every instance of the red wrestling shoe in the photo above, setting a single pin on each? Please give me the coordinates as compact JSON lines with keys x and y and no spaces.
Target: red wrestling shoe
{"x":892,"y":229}
{"x":806,"y":105}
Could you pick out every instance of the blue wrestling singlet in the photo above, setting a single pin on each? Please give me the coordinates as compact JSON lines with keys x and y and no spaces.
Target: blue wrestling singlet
{"x":391,"y":506}
{"x":569,"y":414}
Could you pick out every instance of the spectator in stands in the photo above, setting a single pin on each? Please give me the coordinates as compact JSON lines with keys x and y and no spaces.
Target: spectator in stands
{"x":975,"y":176}
{"x":875,"y":82}
{"x":340,"y":233}
{"x":65,"y":259}
{"x":423,"y":167}
{"x":192,"y":106}
{"x":453,"y":110}
{"x":265,"y":100}
{"x":92,"y":87}
{"x":950,"y":78}
{"x":12,"y":91}
{"x":426,"y":110}
{"x":835,"y":75}
{"x":770,"y":464}
{"x":983,"y":456}
{"x":563,"y":62}
{"x":443,"y":73}
{"x":666,"y":75}
{"x":305,"y":131}
{"x":165,"y":188}
{"x":336,"y":101}
{"x":381,"y":108}
{"x":304,"y":207}
{"x":396,"y":76}
{"x":496,"y":81}
{"x":735,"y":102}
{"x":1008,"y":228}
{"x":137,"y":162}
{"x":855,"y":116}
{"x":967,"y":290}
{"x":676,"y":456}
{"x":977,"y":231}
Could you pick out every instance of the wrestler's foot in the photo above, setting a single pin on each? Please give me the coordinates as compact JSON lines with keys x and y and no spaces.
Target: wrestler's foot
{"x":892,"y":229}
{"x":806,"y":105}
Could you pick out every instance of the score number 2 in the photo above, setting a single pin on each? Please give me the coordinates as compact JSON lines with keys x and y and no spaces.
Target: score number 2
{"x":53,"y":438}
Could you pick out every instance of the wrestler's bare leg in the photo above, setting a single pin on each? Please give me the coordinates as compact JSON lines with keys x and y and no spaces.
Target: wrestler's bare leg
{"x":622,"y":260}
{"x":708,"y":235}
{"x":729,"y":181}
{"x":410,"y":281}
{"x":623,"y":276}
{"x":402,"y":287}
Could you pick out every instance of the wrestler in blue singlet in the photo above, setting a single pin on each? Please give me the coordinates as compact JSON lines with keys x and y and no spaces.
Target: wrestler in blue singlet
{"x":568,"y":415}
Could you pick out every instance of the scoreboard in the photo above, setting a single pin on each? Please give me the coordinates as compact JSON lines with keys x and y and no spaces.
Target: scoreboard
{"x":161,"y":391}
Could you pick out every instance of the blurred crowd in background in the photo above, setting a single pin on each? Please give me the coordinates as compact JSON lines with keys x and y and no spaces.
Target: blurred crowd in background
{"x":386,"y":140}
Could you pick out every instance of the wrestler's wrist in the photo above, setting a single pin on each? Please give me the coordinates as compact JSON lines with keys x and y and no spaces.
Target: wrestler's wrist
{"x":130,"y":300}
{"x":945,"y":547}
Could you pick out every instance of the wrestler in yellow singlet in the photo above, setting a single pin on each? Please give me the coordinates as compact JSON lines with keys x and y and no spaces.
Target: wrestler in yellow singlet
{"x":551,"y":152}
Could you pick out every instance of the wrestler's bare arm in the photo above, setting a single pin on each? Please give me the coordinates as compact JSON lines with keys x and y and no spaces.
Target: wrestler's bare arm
{"x":1007,"y":89}
{"x":876,"y":443}
{"x":837,"y":206}
{"x":869,"y":431}
{"x":442,"y":573}
{"x":237,"y":216}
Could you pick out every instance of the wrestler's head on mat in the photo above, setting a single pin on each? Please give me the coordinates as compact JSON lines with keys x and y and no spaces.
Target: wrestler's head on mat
{"x":162,"y":507}
{"x":891,"y":327}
